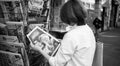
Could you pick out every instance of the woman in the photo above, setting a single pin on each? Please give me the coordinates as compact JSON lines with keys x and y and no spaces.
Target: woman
{"x":78,"y":45}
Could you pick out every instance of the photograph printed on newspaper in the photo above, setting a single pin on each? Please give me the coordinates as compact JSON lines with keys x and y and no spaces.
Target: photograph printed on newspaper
{"x":46,"y":41}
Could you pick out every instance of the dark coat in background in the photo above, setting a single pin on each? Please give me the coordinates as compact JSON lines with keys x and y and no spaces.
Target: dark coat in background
{"x":97,"y":23}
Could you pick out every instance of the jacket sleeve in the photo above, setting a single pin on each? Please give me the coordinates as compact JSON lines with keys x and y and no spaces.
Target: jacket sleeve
{"x":64,"y":53}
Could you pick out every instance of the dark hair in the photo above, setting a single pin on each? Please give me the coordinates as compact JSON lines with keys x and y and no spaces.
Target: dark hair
{"x":73,"y":12}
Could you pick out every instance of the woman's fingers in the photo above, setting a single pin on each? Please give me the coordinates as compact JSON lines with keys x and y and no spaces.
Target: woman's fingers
{"x":31,"y":44}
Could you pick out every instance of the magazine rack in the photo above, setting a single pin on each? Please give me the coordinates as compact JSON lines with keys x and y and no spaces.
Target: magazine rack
{"x":18,"y":8}
{"x":23,"y":8}
{"x":15,"y":10}
{"x":39,"y":14}
{"x":10,"y":59}
{"x":15,"y":47}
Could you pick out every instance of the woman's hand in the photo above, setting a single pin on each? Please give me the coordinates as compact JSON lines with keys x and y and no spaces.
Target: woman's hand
{"x":36,"y":46}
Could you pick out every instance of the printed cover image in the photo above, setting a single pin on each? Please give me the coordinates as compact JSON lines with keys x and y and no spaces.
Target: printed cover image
{"x":47,"y":42}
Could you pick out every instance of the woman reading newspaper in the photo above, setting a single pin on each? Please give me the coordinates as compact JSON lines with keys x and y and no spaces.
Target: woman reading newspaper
{"x":78,"y":44}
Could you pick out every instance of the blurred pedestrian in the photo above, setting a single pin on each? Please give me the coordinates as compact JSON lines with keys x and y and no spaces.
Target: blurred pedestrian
{"x":98,"y":24}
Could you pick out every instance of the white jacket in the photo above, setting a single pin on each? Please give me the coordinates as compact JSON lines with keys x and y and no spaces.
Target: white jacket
{"x":77,"y":48}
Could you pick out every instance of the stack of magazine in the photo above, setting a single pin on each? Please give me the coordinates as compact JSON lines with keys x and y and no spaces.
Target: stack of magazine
{"x":11,"y":54}
{"x":10,"y":59}
{"x":7,"y":38}
{"x":46,"y":41}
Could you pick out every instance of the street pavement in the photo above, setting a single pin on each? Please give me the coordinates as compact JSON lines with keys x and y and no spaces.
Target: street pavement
{"x":111,"y":50}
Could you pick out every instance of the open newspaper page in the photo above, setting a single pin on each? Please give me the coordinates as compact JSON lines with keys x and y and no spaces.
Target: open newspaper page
{"x":47,"y":42}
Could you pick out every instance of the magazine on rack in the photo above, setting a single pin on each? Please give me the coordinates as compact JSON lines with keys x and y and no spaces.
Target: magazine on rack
{"x":10,"y":59}
{"x":46,"y":41}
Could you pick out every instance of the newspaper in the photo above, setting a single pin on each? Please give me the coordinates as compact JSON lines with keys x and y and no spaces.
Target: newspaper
{"x":46,"y":41}
{"x":11,"y":46}
{"x":10,"y":59}
{"x":15,"y":47}
{"x":35,"y":5}
{"x":32,"y":26}
{"x":7,"y":38}
{"x":14,"y":24}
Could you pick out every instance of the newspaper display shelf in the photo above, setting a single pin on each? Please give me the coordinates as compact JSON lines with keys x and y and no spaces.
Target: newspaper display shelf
{"x":7,"y":38}
{"x":21,"y":16}
{"x":12,"y":44}
{"x":15,"y":47}
{"x":10,"y":59}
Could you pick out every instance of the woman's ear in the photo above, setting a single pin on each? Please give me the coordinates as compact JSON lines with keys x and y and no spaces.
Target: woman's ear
{"x":72,"y":23}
